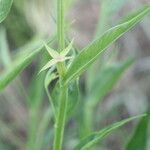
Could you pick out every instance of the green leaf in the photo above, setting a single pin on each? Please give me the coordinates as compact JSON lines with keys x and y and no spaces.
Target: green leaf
{"x":139,"y":138}
{"x":52,"y":52}
{"x":50,"y":76}
{"x":108,"y":8}
{"x":19,"y":65}
{"x":73,"y":97}
{"x":96,"y":137}
{"x":4,"y":48}
{"x":107,"y":78}
{"x":67,"y":49}
{"x":36,"y":88}
{"x":43,"y":126}
{"x":16,"y":68}
{"x":104,"y":81}
{"x":90,"y":53}
{"x":115,"y":5}
{"x":5,"y":6}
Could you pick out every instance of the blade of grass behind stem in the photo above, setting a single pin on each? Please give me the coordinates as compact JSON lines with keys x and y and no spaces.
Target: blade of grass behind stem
{"x":43,"y":126}
{"x":104,"y":82}
{"x":36,"y":97}
{"x":108,"y":8}
{"x":6,"y":61}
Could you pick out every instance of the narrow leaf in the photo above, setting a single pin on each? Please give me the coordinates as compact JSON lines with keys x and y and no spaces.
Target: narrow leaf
{"x":19,"y":65}
{"x":90,"y":53}
{"x":51,"y":51}
{"x":16,"y":68}
{"x":108,"y":8}
{"x":36,"y":88}
{"x":106,"y":79}
{"x":139,"y":138}
{"x":5,"y":6}
{"x":67,"y":49}
{"x":43,"y":126}
{"x":96,"y":137}
{"x":73,"y":97}
{"x":4,"y":48}
{"x":50,"y":76}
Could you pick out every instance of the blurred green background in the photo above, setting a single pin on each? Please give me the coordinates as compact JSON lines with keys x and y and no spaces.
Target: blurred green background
{"x":24,"y":105}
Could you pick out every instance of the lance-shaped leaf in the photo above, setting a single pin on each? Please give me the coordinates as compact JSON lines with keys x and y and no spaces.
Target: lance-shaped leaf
{"x":140,"y":137}
{"x":51,"y":51}
{"x":73,"y":97}
{"x":19,"y":65}
{"x":96,"y":137}
{"x":5,"y":6}
{"x":53,"y":95}
{"x":43,"y":126}
{"x":106,"y":79}
{"x":4,"y":48}
{"x":102,"y":85}
{"x":16,"y":68}
{"x":50,"y":76}
{"x":90,"y":53}
{"x":67,"y":49}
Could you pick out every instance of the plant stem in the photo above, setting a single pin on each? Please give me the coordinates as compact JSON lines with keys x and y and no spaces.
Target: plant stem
{"x":60,"y":120}
{"x":61,"y":33}
{"x":60,"y":24}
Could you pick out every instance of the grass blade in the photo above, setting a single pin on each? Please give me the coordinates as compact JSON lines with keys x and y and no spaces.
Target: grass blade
{"x":105,"y":81}
{"x":19,"y":65}
{"x":17,"y":68}
{"x":50,"y":76}
{"x":43,"y":126}
{"x":138,"y":140}
{"x":96,"y":137}
{"x":5,"y":6}
{"x":108,"y":7}
{"x":107,"y":78}
{"x":90,"y":53}
{"x":4,"y":48}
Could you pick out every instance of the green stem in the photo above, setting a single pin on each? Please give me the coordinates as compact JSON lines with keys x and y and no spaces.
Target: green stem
{"x":61,"y":33}
{"x":60,"y":122}
{"x":60,"y":24}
